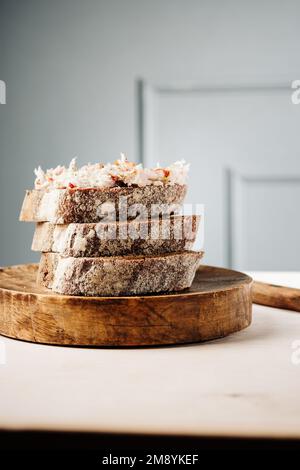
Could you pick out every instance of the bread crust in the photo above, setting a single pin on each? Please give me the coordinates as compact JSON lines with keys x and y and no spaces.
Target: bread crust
{"x":118,"y":275}
{"x":64,"y":206}
{"x":145,"y":237}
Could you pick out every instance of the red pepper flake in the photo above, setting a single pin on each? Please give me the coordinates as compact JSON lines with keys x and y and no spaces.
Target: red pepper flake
{"x":71,"y":185}
{"x":166,"y":173}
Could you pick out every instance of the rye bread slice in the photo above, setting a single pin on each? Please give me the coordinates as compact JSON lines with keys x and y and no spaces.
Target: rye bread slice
{"x":118,"y":275}
{"x":139,"y":237}
{"x":64,"y":206}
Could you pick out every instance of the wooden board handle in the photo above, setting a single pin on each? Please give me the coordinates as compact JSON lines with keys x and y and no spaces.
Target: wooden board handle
{"x":276,"y":296}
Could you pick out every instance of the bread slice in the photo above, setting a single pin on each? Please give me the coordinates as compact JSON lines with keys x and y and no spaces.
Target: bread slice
{"x":64,"y":206}
{"x":145,"y":237}
{"x":118,"y":275}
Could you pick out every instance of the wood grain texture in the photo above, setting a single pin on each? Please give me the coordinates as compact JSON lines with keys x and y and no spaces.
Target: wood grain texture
{"x":276,"y":296}
{"x":217,"y":304}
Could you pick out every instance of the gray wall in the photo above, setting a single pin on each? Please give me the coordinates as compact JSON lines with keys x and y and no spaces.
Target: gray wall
{"x":71,"y":69}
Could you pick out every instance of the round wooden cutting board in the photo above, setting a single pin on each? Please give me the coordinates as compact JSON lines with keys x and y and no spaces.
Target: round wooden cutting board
{"x":217,"y":304}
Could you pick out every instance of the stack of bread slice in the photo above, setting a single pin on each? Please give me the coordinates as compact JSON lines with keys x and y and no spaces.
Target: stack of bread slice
{"x":92,"y":243}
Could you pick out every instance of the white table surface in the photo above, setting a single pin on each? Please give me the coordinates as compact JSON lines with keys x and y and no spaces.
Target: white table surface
{"x":243,"y":385}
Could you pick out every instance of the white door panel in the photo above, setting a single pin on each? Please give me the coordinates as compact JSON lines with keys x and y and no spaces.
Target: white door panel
{"x":243,"y":146}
